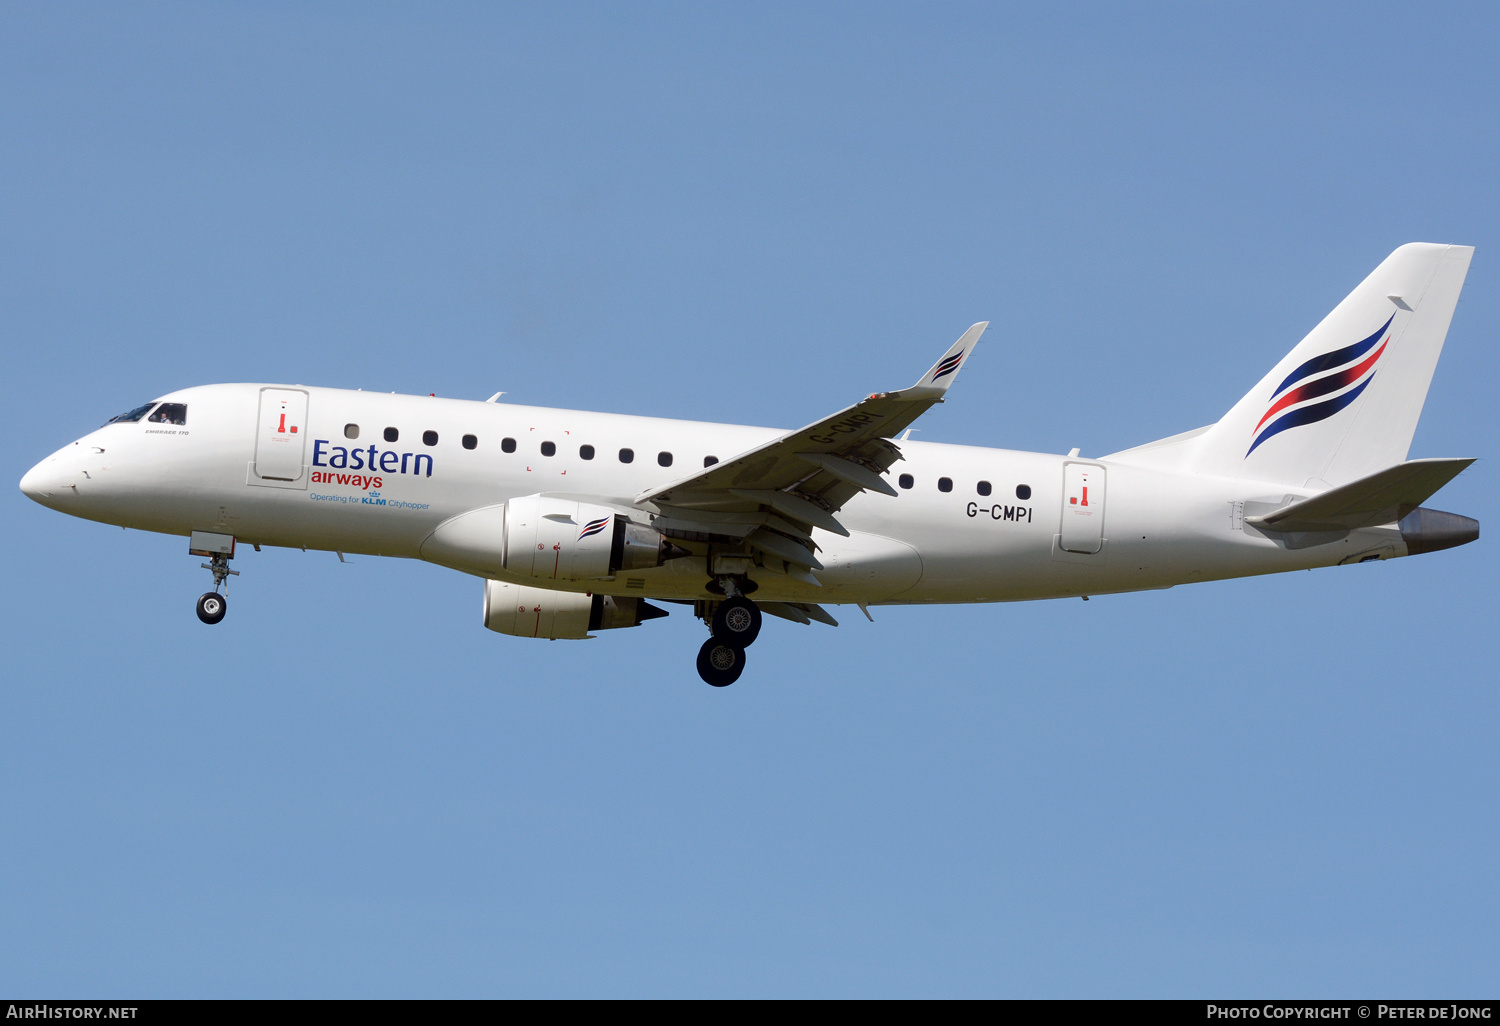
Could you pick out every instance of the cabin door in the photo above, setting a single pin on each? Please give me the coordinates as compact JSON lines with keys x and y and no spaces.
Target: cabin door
{"x":281,"y":434}
{"x":1083,"y":508}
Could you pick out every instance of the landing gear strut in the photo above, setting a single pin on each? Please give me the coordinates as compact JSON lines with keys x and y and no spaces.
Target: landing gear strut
{"x":211,"y":605}
{"x":735,"y":624}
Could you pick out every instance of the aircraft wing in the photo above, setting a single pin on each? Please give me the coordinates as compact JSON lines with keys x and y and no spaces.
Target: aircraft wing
{"x":776,"y":493}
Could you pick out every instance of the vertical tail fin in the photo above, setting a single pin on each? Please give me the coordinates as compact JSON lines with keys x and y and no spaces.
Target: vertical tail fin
{"x":1344,"y":403}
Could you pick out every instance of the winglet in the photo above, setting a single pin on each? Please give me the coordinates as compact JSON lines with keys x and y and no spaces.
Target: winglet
{"x":943,"y":373}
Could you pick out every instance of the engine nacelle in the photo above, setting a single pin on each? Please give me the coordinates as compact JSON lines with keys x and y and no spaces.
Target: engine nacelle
{"x":563,"y":540}
{"x":528,"y":612}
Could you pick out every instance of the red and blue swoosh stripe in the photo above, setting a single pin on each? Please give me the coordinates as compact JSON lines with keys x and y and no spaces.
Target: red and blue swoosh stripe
{"x":948,"y":365}
{"x":1309,"y":382}
{"x":593,"y":527}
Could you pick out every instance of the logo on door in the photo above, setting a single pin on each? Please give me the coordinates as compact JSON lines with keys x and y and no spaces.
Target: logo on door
{"x":283,"y":432}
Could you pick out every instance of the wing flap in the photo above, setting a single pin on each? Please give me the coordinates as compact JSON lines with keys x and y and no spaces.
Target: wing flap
{"x":799,"y":612}
{"x":848,"y":472}
{"x":816,"y":612}
{"x":781,"y":546}
{"x":786,"y":611}
{"x":793,"y":506}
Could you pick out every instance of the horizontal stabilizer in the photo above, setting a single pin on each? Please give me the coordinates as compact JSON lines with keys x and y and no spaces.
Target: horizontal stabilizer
{"x":1381,"y":498}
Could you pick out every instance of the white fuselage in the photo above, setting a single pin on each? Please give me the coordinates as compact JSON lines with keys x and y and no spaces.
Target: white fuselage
{"x":1157,"y":529}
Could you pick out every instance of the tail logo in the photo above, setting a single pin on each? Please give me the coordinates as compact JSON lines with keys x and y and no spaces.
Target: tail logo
{"x":1344,"y":367}
{"x":593,"y":527}
{"x":948,"y":365}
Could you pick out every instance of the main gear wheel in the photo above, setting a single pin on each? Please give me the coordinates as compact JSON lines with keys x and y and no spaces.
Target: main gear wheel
{"x":737,"y":621}
{"x":720,"y":663}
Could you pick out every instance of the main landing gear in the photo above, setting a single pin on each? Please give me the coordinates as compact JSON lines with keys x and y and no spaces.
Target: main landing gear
{"x":211,"y":605}
{"x":735,"y":623}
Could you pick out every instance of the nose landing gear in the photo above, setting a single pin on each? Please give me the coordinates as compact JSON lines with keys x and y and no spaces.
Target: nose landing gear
{"x":211,"y":605}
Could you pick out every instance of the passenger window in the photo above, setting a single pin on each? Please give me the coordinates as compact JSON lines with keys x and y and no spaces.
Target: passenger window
{"x":133,"y":416}
{"x":351,"y":430}
{"x":391,"y":434}
{"x":429,"y":438}
{"x":983,"y":488}
{"x":470,"y":441}
{"x":709,"y":461}
{"x":549,"y":449}
{"x":507,"y":445}
{"x":945,"y":484}
{"x":905,"y":481}
{"x":170,"y":413}
{"x":585,"y":452}
{"x":1023,"y":491}
{"x":664,"y":459}
{"x":627,"y":455}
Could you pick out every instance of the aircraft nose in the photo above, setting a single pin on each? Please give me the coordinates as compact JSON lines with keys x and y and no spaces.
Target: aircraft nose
{"x":44,"y":481}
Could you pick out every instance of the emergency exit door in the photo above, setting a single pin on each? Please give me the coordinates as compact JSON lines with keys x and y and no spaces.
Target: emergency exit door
{"x":1083,"y":508}
{"x":281,"y":435}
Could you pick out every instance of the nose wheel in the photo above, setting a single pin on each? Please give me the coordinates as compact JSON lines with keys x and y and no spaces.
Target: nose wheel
{"x":211,"y":605}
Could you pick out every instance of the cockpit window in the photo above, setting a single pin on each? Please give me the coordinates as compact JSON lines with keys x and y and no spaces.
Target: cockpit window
{"x":133,"y":416}
{"x":169,"y":413}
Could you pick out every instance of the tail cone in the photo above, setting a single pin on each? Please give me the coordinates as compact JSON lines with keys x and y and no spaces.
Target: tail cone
{"x":1428,"y":530}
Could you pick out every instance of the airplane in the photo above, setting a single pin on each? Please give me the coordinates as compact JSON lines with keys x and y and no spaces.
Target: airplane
{"x":576,"y":521}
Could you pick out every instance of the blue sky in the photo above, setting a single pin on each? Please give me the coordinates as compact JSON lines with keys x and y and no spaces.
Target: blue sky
{"x":754,"y":213}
